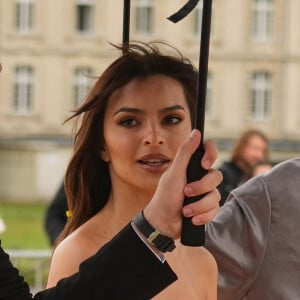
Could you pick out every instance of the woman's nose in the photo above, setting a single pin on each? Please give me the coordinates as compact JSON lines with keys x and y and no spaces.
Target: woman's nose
{"x":153,"y":136}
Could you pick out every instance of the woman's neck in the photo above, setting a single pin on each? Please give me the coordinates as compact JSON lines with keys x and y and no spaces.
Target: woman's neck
{"x":125,"y":202}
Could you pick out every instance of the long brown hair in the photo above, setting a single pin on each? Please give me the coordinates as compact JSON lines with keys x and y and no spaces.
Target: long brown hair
{"x":242,"y":142}
{"x":87,"y":180}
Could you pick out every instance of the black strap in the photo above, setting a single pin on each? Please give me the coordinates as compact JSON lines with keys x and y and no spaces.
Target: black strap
{"x":184,"y":11}
{"x":162,"y":242}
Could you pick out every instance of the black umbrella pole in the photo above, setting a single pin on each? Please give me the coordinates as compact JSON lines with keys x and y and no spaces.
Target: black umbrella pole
{"x":126,"y":21}
{"x":192,"y":235}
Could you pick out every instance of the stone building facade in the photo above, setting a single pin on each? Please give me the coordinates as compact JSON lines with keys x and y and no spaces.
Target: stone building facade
{"x":49,"y":47}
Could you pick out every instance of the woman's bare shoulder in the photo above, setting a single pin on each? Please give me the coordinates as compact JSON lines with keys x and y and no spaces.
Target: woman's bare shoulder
{"x":201,"y":259}
{"x":206,"y":255}
{"x":68,"y":255}
{"x":209,"y":276}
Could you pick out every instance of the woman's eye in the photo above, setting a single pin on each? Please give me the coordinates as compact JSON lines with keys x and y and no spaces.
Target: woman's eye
{"x":172,"y":120}
{"x":128,"y":122}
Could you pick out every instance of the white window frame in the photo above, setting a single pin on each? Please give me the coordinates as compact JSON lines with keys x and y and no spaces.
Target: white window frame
{"x":263,"y":20}
{"x":85,"y":25}
{"x":144,"y":17}
{"x":261,"y":93}
{"x":25,"y":16}
{"x":23,"y":90}
{"x":81,"y":84}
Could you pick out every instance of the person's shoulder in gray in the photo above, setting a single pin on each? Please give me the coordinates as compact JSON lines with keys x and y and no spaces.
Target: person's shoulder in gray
{"x":255,"y":237}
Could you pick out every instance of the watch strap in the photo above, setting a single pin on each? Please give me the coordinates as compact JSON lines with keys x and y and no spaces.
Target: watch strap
{"x":152,"y":235}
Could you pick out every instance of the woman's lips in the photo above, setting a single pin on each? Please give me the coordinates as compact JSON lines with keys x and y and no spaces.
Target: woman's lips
{"x":155,"y":165}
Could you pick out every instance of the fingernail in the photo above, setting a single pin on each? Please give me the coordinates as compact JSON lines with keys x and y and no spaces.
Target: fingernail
{"x":197,"y":221}
{"x":188,"y":191}
{"x":187,"y":211}
{"x":206,"y":164}
{"x":193,"y":135}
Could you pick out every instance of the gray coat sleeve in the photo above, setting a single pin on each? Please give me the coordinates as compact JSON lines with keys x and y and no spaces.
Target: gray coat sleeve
{"x":238,"y":236}
{"x":255,"y":237}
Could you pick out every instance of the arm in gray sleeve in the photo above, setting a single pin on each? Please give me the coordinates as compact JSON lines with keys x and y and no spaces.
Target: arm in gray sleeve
{"x":237,"y":238}
{"x":255,"y":237}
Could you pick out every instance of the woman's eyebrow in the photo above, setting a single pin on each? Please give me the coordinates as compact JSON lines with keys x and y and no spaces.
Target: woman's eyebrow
{"x":173,"y":107}
{"x":140,"y":111}
{"x":128,"y":109}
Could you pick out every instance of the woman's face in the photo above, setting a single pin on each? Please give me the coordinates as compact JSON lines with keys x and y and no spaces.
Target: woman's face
{"x":255,"y":150}
{"x":144,"y":125}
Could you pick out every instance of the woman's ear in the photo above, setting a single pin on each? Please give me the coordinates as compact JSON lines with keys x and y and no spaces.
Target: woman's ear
{"x":105,"y":154}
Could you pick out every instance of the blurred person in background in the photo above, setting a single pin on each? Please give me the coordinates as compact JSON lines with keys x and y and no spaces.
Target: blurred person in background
{"x":260,"y":168}
{"x":56,"y":218}
{"x":250,"y":149}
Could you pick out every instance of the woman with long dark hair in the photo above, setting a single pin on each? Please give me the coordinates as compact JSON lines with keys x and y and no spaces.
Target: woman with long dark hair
{"x":130,"y":128}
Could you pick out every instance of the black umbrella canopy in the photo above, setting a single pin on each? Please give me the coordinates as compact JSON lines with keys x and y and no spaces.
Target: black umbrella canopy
{"x":191,"y":235}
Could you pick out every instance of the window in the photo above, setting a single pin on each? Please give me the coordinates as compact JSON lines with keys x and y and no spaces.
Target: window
{"x":198,"y":18}
{"x":263,"y":20}
{"x":23,"y":90}
{"x":25,"y":16}
{"x":144,"y":16}
{"x":82,"y":84}
{"x":261,"y":95}
{"x":84,"y":15}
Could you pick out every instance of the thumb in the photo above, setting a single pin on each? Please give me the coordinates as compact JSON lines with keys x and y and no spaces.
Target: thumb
{"x":162,"y":212}
{"x":185,"y":151}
